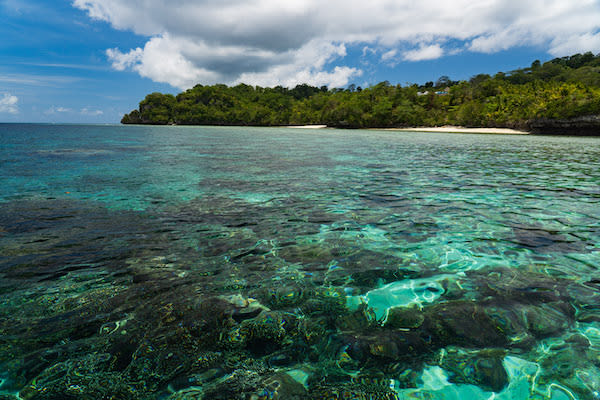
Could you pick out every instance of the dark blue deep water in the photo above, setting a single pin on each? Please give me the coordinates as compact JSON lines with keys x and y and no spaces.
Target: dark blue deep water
{"x":266,"y":263}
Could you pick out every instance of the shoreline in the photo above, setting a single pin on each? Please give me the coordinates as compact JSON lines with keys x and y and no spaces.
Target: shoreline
{"x":460,"y":129}
{"x":432,"y":129}
{"x":306,"y":126}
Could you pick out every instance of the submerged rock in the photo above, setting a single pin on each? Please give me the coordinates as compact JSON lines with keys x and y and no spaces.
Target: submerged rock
{"x":364,"y":389}
{"x":280,"y":386}
{"x":286,"y":296}
{"x":266,"y":333}
{"x":85,"y":378}
{"x":357,"y":321}
{"x":239,"y":385}
{"x":159,"y":326}
{"x":544,"y":241}
{"x":306,"y":254}
{"x":404,"y":318}
{"x":245,"y":307}
{"x":572,"y":363}
{"x":463,"y":323}
{"x":482,"y":368}
{"x":544,"y":321}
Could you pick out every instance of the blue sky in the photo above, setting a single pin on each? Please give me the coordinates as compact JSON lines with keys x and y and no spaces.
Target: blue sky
{"x":93,"y":60}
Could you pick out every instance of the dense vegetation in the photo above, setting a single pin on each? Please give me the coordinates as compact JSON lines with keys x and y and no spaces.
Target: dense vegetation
{"x":560,"y":89}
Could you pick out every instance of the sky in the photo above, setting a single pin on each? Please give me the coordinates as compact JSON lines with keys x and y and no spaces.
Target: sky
{"x":91,"y":61}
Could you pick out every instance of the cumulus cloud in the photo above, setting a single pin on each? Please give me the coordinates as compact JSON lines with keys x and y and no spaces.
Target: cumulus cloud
{"x":90,"y":112}
{"x":576,"y":44}
{"x":284,"y":42}
{"x":121,"y":61}
{"x":424,"y":53}
{"x":57,"y":110}
{"x":8,"y":104}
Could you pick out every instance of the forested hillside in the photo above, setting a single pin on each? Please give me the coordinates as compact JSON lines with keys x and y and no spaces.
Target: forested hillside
{"x":554,"y":93}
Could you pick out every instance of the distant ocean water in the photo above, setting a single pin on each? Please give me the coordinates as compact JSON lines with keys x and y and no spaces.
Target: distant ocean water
{"x":273,"y":263}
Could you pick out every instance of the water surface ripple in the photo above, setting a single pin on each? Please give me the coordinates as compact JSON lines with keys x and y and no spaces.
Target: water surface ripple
{"x":266,"y":263}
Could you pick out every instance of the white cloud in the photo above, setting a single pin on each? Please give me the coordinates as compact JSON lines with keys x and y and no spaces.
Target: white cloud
{"x":37,"y":80}
{"x":57,"y":110}
{"x":389,"y":55}
{"x":169,"y":60}
{"x":304,"y":65}
{"x":121,"y":61}
{"x":274,"y":41}
{"x":65,"y":66}
{"x":424,"y":53}
{"x":367,"y":50}
{"x":577,"y":44}
{"x":89,"y":112}
{"x":8,"y":104}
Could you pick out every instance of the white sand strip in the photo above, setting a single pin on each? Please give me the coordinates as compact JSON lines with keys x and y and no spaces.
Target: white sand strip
{"x":307,"y":126}
{"x":460,"y":129}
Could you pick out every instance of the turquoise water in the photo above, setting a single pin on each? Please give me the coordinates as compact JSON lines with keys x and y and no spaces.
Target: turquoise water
{"x":267,"y":263}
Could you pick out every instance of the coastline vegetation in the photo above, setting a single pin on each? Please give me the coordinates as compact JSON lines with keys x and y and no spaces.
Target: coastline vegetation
{"x":563,"y":89}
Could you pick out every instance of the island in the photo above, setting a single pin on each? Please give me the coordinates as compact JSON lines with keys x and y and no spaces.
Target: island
{"x":561,"y":96}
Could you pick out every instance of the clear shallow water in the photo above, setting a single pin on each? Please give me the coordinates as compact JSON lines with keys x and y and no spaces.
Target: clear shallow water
{"x":223,"y":263}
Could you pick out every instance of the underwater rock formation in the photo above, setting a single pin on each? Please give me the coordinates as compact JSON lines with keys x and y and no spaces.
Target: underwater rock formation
{"x":237,"y":317}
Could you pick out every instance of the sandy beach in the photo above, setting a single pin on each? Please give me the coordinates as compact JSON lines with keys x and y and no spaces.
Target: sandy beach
{"x":442,"y":129}
{"x":307,"y":126}
{"x":460,"y":129}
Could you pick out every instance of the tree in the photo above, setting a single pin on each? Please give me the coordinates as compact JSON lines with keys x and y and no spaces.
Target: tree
{"x":562,"y":88}
{"x":443,"y":81}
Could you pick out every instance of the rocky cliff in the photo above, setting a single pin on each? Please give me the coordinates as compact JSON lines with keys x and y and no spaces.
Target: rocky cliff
{"x":588,"y":125}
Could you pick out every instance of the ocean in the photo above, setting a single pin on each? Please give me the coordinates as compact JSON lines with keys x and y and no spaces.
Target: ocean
{"x":143,"y":262}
